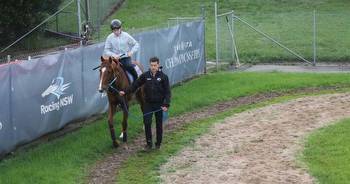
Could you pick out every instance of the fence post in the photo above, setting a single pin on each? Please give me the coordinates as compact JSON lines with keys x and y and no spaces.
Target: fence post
{"x":98,"y":22}
{"x":56,"y":22}
{"x":314,"y":45}
{"x":216,"y":36}
{"x":87,"y":10}
{"x":232,"y":28}
{"x":238,"y":64}
{"x":204,"y":50}
{"x":79,"y":21}
{"x":8,"y":58}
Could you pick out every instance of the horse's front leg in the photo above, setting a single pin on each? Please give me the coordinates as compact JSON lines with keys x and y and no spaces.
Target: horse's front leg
{"x":111,"y":112}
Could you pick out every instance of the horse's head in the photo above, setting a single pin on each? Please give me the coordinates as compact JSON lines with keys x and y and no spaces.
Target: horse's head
{"x":108,"y":71}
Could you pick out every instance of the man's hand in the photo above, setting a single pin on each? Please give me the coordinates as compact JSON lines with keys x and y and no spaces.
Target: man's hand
{"x":121,"y":93}
{"x":129,"y":54}
{"x":164,"y":108}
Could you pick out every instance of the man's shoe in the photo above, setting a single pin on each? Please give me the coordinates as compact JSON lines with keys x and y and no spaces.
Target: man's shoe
{"x":147,"y":147}
{"x":157,"y":146}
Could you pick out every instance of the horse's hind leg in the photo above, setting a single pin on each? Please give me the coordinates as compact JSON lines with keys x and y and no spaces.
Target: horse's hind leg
{"x":111,"y":113}
{"x":140,"y":99}
{"x":125,"y":122}
{"x":125,"y":126}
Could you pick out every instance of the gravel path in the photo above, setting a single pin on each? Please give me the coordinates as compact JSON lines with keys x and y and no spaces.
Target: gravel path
{"x":257,"y":146}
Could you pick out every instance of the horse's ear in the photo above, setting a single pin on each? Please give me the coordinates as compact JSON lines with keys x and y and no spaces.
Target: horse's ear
{"x":110,"y":59}
{"x":102,"y":58}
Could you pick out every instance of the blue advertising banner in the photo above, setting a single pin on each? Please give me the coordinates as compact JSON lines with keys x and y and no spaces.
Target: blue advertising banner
{"x":95,"y":102}
{"x":46,"y":94}
{"x":7,"y":141}
{"x":180,"y":50}
{"x":43,"y":95}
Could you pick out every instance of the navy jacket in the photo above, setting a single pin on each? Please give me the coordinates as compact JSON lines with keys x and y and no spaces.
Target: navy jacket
{"x":157,"y":88}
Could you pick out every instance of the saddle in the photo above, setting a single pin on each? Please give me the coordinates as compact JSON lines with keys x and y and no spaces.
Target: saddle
{"x":130,"y":77}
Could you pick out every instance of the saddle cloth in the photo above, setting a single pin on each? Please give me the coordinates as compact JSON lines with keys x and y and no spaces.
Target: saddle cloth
{"x":138,"y":71}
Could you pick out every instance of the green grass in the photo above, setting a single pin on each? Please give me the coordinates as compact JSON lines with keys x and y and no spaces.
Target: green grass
{"x":287,"y":21}
{"x":66,"y":160}
{"x":327,"y":153}
{"x":290,"y":22}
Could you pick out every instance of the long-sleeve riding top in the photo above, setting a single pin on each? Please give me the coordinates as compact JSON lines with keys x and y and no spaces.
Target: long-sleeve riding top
{"x":122,"y":44}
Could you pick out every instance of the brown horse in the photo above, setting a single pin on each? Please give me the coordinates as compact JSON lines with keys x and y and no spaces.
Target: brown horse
{"x":112,"y":79}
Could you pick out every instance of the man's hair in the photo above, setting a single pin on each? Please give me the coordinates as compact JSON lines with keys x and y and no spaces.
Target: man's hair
{"x":154,"y":59}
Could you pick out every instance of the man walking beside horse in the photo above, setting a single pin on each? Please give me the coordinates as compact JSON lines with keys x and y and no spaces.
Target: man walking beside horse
{"x":157,"y":99}
{"x":156,"y":90}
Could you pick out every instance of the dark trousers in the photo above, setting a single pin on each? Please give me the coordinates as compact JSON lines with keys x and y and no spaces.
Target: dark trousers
{"x":128,"y":66}
{"x":147,"y":120}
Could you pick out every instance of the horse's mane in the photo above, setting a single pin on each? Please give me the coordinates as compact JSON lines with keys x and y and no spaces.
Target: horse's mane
{"x":120,"y":73}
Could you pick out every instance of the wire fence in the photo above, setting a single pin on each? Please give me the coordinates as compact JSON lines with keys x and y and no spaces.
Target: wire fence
{"x":329,"y":38}
{"x":76,"y":22}
{"x":226,"y":42}
{"x":67,"y":28}
{"x":325,"y":35}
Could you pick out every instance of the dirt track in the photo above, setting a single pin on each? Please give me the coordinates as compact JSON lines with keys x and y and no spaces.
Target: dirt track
{"x":105,"y":170}
{"x":257,"y":146}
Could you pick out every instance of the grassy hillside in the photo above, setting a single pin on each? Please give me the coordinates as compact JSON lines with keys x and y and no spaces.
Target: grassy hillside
{"x":287,"y":21}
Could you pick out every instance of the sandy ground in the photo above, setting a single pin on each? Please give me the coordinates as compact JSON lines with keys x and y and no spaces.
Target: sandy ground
{"x":257,"y":146}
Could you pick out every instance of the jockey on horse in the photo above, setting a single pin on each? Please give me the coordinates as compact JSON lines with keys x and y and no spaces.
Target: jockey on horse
{"x":119,"y":48}
{"x":120,"y":42}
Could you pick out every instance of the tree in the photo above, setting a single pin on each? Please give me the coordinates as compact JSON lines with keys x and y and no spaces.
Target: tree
{"x":19,"y":16}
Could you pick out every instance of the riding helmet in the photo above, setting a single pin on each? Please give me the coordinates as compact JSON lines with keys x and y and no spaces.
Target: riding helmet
{"x":116,"y":24}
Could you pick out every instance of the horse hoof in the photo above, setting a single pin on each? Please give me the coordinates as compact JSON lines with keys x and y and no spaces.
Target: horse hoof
{"x":125,"y":147}
{"x":115,"y":144}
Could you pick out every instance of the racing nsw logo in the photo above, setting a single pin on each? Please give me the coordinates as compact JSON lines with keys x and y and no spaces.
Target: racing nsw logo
{"x":56,"y":88}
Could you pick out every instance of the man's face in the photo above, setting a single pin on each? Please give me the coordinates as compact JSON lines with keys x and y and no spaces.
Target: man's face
{"x":117,"y":31}
{"x":154,"y":67}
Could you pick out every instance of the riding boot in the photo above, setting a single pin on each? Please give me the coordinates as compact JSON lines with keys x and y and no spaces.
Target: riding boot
{"x":133,"y":73}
